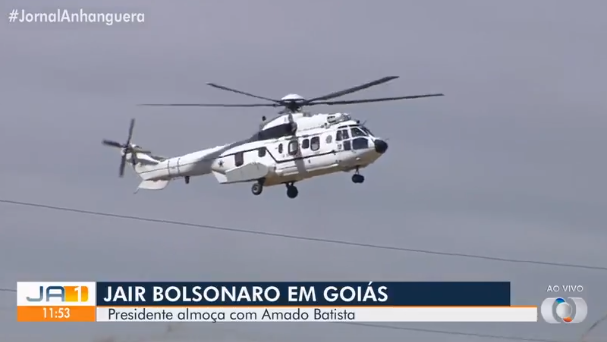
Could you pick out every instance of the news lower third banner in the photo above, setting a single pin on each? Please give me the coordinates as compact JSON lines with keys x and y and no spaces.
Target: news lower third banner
{"x":269,"y":302}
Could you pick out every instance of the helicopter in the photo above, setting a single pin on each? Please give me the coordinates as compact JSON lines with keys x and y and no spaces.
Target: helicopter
{"x":288,"y":148}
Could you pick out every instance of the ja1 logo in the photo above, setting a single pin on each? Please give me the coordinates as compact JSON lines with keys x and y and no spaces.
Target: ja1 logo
{"x":64,"y":294}
{"x":557,"y":310}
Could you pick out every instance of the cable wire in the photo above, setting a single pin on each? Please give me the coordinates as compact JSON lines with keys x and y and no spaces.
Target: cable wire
{"x":331,"y":241}
{"x":298,"y":237}
{"x":447,"y":332}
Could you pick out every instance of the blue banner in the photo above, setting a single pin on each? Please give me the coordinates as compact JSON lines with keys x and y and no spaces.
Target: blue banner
{"x":303,"y":293}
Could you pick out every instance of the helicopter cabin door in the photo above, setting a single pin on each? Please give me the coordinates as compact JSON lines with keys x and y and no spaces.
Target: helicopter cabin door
{"x":318,"y":151}
{"x":331,"y":145}
{"x":290,"y":158}
{"x":343,"y":144}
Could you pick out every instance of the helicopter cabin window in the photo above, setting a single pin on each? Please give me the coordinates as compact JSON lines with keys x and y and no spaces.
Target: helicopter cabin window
{"x":305,"y":143}
{"x":261,"y":152}
{"x":315,"y":144}
{"x":280,"y":148}
{"x":360,"y":143}
{"x":357,"y":132}
{"x":347,"y":145}
{"x":238,"y":159}
{"x":329,"y":139}
{"x":293,"y":147}
{"x":344,"y":134}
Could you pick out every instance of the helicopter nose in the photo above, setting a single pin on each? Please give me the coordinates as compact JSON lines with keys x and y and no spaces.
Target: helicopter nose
{"x":381,"y":146}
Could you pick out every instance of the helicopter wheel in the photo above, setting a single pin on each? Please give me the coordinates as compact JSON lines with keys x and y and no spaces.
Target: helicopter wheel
{"x":257,"y":188}
{"x":292,"y":191}
{"x":358,"y":179}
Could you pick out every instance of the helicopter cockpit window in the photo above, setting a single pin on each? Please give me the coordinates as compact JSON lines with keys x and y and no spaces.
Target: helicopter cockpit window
{"x":305,"y":143}
{"x":293,"y":147}
{"x":338,"y":136}
{"x":360,"y":143}
{"x":261,"y":152}
{"x":366,"y":130}
{"x":357,"y":132}
{"x":315,"y":144}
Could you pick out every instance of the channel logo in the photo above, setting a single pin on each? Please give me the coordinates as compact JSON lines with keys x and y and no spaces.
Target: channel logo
{"x":63,"y":293}
{"x":558,"y":310}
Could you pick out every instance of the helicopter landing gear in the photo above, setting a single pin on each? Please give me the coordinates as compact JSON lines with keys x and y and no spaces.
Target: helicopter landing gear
{"x":187,"y":179}
{"x":292,"y":191}
{"x":357,"y":178}
{"x":257,"y":187}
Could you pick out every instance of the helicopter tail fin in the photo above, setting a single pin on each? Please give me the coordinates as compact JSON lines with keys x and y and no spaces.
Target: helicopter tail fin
{"x":144,"y":167}
{"x":144,"y":164}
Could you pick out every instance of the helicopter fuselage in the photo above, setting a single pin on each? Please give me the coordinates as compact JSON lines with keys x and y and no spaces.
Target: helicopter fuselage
{"x":305,"y":155}
{"x":339,"y":145}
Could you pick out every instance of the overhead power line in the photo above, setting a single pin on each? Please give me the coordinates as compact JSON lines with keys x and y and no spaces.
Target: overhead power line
{"x":298,"y":237}
{"x":331,"y":241}
{"x":447,"y":332}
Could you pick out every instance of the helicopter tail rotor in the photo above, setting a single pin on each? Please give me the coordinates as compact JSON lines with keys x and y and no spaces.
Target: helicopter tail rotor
{"x":126,"y":149}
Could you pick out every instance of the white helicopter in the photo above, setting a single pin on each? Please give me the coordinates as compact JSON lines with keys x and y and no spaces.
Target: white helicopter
{"x":289,"y":148}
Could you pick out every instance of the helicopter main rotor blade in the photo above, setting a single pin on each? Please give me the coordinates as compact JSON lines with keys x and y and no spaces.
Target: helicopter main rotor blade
{"x":241,"y":92}
{"x":210,"y":105}
{"x":382,"y":99}
{"x":352,"y":90}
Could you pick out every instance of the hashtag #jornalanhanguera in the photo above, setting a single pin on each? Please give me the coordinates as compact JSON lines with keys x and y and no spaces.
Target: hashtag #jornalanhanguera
{"x":12,"y":15}
{"x":81,"y":16}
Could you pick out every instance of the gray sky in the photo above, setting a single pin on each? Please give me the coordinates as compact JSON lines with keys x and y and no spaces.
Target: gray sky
{"x":510,"y":163}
